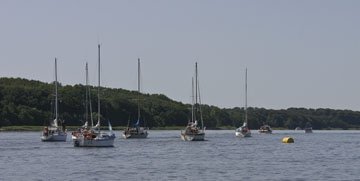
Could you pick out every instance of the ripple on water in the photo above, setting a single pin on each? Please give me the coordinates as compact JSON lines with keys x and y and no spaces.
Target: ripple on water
{"x":163,"y":156}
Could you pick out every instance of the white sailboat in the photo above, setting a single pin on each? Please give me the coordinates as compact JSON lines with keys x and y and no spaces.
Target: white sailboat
{"x":192,"y":131}
{"x":94,"y":137}
{"x":244,"y":131}
{"x":88,"y":107}
{"x":136,"y":131}
{"x":54,"y":132}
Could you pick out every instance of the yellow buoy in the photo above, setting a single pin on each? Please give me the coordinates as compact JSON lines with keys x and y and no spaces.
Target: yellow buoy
{"x":288,"y":140}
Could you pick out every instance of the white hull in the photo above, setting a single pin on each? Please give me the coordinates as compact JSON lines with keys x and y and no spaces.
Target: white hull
{"x":54,"y":138}
{"x":242,"y":134}
{"x":96,"y":142}
{"x":193,"y":137}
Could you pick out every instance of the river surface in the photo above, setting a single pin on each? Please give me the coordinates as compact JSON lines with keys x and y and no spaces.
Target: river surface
{"x":322,"y":155}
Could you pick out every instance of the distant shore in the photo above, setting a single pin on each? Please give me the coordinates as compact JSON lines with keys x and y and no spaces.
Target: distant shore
{"x":73,"y":128}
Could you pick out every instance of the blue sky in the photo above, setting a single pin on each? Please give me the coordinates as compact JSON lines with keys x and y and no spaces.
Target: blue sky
{"x":298,"y":53}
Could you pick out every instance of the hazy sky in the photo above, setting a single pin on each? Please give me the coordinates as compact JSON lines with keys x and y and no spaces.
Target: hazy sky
{"x":298,"y":53}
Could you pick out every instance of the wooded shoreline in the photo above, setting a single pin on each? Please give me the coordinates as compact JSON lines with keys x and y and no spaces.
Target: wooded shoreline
{"x":26,"y":103}
{"x":73,"y":128}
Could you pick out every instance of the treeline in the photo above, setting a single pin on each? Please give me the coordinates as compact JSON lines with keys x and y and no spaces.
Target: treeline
{"x":31,"y":103}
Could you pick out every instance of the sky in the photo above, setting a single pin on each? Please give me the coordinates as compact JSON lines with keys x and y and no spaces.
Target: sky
{"x":298,"y":53}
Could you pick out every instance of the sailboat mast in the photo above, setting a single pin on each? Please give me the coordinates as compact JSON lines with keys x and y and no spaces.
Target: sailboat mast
{"x":246,"y":96}
{"x":56,"y":93}
{"x":138,"y":99}
{"x":198,"y":89}
{"x":86,"y":94}
{"x":196,"y":84}
{"x":192,"y":100}
{"x":99,"y":85}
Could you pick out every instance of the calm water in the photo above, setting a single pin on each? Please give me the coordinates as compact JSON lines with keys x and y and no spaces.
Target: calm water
{"x":323,"y":155}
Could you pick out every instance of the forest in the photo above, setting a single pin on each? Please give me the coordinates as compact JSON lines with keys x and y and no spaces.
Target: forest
{"x":31,"y":103}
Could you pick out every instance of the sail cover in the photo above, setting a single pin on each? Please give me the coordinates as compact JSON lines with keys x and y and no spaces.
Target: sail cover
{"x":137,"y":123}
{"x":110,"y":127}
{"x":85,"y":125}
{"x":55,"y":124}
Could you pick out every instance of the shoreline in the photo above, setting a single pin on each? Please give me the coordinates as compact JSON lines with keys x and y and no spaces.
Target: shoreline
{"x":117,"y":128}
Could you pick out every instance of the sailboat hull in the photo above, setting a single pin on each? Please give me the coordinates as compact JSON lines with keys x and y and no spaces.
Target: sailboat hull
{"x":135,"y":133}
{"x":128,"y":136}
{"x":193,"y":137}
{"x":96,"y":142}
{"x":53,"y":138}
{"x":243,"y":134}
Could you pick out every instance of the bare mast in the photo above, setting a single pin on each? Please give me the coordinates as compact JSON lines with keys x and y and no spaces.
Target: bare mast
{"x":192,"y":100}
{"x":99,"y":87}
{"x":246,"y":121}
{"x":56,"y":95}
{"x":87,"y":95}
{"x":138,"y":99}
{"x":198,"y":89}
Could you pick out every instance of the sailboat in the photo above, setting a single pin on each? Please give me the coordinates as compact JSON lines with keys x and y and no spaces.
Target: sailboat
{"x":244,"y":131}
{"x":94,"y":137}
{"x":54,"y":132}
{"x":136,"y":131}
{"x":192,"y":131}
{"x":88,"y":106}
{"x":308,"y":128}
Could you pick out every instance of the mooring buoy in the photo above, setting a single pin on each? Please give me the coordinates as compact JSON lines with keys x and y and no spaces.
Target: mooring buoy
{"x":288,"y":140}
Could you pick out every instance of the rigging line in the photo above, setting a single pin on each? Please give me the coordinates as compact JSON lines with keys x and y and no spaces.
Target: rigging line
{"x":192,"y":100}
{"x":86,"y":93}
{"x":141,"y":79}
{"x":56,"y":91}
{"x":99,"y":87}
{"x":195,"y":105}
{"x":201,"y":116}
{"x":129,"y":120}
{"x":246,"y":96}
{"x":91,"y":115}
{"x":138,"y":96}
{"x":89,"y":95}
